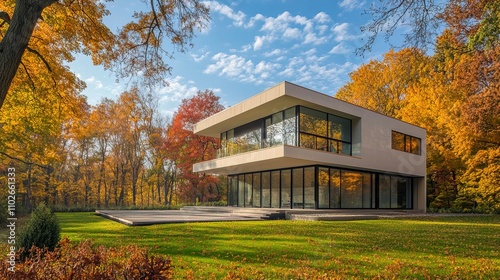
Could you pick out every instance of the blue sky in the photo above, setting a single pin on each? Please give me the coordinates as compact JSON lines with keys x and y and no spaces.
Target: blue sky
{"x":251,"y":45}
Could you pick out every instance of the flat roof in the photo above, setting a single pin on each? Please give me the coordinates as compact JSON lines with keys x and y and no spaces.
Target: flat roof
{"x":275,"y":99}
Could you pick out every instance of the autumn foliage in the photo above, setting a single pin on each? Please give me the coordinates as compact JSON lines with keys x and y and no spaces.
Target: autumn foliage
{"x":455,"y":95}
{"x":186,"y":148}
{"x":86,"y":261}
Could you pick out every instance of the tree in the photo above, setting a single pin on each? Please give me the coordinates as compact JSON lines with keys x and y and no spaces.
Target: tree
{"x":382,"y":86}
{"x":65,"y":27}
{"x":475,"y":21}
{"x":185,"y":148}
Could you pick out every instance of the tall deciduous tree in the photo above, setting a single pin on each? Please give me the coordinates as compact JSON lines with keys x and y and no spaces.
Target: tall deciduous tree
{"x":186,"y":148}
{"x":474,"y":21}
{"x":53,"y":30}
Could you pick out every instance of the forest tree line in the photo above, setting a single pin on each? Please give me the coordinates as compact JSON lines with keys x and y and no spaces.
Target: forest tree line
{"x":115,"y":154}
{"x":124,"y":152}
{"x":454,"y":93}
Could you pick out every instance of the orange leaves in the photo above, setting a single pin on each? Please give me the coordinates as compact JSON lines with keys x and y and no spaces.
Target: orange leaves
{"x":186,"y":148}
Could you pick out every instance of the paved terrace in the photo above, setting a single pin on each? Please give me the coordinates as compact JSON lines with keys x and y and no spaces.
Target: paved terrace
{"x":217,"y":214}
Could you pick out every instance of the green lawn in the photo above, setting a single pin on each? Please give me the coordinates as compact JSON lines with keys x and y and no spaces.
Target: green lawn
{"x":435,"y":247}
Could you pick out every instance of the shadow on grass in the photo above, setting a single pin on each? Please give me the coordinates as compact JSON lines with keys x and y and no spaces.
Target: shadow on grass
{"x":364,"y":249}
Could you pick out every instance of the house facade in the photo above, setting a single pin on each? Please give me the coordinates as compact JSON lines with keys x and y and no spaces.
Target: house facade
{"x":294,"y":148}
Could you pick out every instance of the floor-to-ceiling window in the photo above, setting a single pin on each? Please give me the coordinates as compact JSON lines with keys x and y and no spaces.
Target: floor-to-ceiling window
{"x":275,"y":189}
{"x":266,"y":189}
{"x":319,"y":187}
{"x":256,"y":190}
{"x":334,"y":188}
{"x":298,"y":187}
{"x":286,"y":188}
{"x":394,"y":192}
{"x":295,"y":126}
{"x":326,"y":132}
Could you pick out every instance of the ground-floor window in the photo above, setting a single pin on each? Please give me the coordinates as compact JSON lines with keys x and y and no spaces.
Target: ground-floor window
{"x":320,"y":187}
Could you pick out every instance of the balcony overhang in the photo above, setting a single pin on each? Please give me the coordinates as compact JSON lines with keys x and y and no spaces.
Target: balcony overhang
{"x":273,"y":158}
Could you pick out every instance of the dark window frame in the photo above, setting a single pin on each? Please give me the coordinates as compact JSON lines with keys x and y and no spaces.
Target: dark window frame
{"x":407,"y":145}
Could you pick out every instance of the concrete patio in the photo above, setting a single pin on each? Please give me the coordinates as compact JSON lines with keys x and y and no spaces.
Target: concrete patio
{"x":218,"y":214}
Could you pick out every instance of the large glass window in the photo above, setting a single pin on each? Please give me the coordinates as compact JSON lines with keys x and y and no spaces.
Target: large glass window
{"x":248,"y":190}
{"x":367,"y":190}
{"x":248,"y":137}
{"x":323,"y":188}
{"x":290,"y":127}
{"x":334,"y":188}
{"x":319,"y":187}
{"x":309,"y":182}
{"x":298,"y":187}
{"x":325,"y":132}
{"x":339,"y":128}
{"x":313,"y":122}
{"x":232,"y":199}
{"x":275,"y":189}
{"x":266,"y":189}
{"x":256,"y":190}
{"x":286,"y":188}
{"x":241,"y":191}
{"x":394,"y":192}
{"x":351,"y":193}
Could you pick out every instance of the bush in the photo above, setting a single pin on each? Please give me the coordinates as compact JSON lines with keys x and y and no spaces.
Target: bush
{"x":83,"y":261}
{"x":42,"y":231}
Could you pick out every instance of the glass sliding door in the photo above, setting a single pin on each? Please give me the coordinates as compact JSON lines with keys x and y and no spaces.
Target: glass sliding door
{"x":334,"y":188}
{"x":286,"y":188}
{"x":266,"y":189}
{"x":275,"y":189}
{"x":394,"y":192}
{"x":256,"y":190}
{"x":323,"y":188}
{"x":384,"y":191}
{"x":351,"y":194}
{"x":241,"y":190}
{"x":367,"y":190}
{"x":248,"y":190}
{"x":298,"y":188}
{"x":309,"y":186}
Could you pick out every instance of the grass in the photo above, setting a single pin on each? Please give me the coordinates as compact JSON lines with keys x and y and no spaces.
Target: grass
{"x":437,"y":247}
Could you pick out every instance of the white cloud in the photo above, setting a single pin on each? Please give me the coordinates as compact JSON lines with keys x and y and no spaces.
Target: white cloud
{"x":339,"y":49}
{"x":229,"y":65}
{"x":237,"y":67}
{"x":341,"y":32}
{"x":322,"y":17}
{"x":254,"y":19}
{"x":292,"y":33}
{"x":198,"y":58}
{"x":274,"y":52}
{"x":259,"y":42}
{"x":177,"y":90}
{"x":237,"y":17}
{"x":92,"y":81}
{"x":312,"y":38}
{"x":351,"y":4}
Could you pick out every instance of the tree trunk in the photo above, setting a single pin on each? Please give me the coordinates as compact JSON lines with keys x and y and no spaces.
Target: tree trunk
{"x":16,"y":40}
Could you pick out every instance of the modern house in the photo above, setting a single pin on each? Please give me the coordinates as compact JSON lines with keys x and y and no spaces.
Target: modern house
{"x":295,"y":148}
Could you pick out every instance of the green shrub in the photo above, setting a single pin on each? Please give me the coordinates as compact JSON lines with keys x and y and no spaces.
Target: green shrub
{"x":85,"y":261}
{"x":42,"y":231}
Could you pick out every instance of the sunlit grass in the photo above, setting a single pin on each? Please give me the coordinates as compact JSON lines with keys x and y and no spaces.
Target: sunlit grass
{"x":437,"y":247}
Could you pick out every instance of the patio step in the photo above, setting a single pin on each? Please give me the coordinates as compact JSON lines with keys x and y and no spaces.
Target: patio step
{"x":260,"y":213}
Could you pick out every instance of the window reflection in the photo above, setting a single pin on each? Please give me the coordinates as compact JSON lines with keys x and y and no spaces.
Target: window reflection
{"x":317,"y":130}
{"x":405,"y":143}
{"x":336,"y":188}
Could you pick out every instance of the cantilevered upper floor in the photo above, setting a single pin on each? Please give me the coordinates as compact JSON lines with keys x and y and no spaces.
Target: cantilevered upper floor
{"x":289,"y":125}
